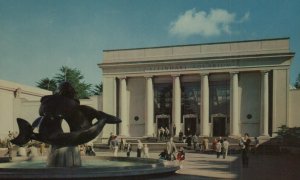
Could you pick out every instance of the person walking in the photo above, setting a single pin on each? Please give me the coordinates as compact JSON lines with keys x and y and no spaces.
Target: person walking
{"x":122,"y":144}
{"x":146,"y":151}
{"x":167,"y":132}
{"x":205,"y":142}
{"x":161,"y":133}
{"x":214,"y":144}
{"x":195,"y":141}
{"x":245,"y":147}
{"x":174,"y":130}
{"x":180,"y":136}
{"x":9,"y":144}
{"x":256,"y":144}
{"x":109,"y":139}
{"x":225,"y":147}
{"x":171,"y":148}
{"x":115,"y":145}
{"x":139,"y":149}
{"x":219,"y":148}
{"x":189,"y":140}
{"x":128,"y":150}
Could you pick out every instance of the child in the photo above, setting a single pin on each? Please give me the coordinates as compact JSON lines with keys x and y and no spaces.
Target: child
{"x":180,"y":156}
{"x":163,"y":155}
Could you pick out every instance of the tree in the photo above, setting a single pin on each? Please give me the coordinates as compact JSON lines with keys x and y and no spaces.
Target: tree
{"x":73,"y":76}
{"x":48,"y":84}
{"x":98,"y":89}
{"x":297,"y":83}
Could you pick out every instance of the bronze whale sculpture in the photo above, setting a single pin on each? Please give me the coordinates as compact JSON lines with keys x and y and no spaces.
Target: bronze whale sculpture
{"x":56,"y":108}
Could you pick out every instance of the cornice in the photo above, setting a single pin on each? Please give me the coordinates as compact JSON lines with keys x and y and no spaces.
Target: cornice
{"x":166,"y":60}
{"x":21,"y":91}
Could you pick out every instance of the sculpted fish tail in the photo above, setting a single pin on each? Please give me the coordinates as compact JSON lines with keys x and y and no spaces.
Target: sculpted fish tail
{"x":109,"y":119}
{"x":25,"y":132}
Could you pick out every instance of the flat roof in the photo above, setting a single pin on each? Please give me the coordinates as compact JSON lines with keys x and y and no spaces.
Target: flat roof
{"x":261,"y":47}
{"x":213,"y":43}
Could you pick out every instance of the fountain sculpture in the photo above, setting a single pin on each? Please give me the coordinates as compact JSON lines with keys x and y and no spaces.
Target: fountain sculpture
{"x":53,"y":110}
{"x":64,"y":160}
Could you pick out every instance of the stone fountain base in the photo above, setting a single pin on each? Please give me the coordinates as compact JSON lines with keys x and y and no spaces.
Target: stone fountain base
{"x":64,"y":157}
{"x":92,"y":167}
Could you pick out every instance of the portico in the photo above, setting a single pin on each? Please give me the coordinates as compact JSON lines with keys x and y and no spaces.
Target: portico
{"x":221,"y":88}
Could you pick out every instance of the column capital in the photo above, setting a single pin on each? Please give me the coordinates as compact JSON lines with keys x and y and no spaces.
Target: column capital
{"x":264,"y":71}
{"x":204,"y":74}
{"x":122,"y":77}
{"x":175,"y":75}
{"x":234,"y":72}
{"x":148,"y":76}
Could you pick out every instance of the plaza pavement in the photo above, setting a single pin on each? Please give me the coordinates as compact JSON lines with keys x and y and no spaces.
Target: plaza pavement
{"x":198,"y":166}
{"x":208,"y":166}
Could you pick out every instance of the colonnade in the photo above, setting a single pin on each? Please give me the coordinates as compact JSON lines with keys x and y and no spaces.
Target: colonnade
{"x":204,"y":107}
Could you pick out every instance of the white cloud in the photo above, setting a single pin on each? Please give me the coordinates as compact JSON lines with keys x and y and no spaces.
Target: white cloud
{"x":245,"y":17}
{"x":214,"y":23}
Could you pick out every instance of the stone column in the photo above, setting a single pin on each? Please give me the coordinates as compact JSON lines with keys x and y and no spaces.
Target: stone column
{"x":149,"y":131}
{"x":234,"y":108}
{"x":124,"y":129}
{"x":265,"y":103}
{"x":204,"y":111}
{"x":176,"y":108}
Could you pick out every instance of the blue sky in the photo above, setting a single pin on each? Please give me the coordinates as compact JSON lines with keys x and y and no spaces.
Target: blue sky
{"x":37,"y":37}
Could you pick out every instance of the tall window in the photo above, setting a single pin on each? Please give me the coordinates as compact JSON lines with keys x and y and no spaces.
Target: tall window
{"x":163,"y":99}
{"x":219,"y":97}
{"x":190,"y":98}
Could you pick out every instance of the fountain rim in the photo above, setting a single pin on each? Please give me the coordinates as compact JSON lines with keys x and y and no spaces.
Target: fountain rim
{"x":151,"y":167}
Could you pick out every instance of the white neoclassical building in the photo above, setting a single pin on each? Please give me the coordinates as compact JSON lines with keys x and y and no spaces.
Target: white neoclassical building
{"x":215,"y":89}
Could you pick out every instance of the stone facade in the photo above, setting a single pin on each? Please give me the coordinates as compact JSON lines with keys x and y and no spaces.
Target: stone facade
{"x":18,"y":100}
{"x":294,"y":108}
{"x":250,"y":78}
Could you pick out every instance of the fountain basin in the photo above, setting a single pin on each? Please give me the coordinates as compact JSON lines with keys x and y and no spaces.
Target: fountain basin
{"x":92,"y":167}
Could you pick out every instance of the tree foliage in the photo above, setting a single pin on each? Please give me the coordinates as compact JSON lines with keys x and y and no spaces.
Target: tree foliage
{"x":76,"y":79}
{"x":98,"y":89}
{"x":73,"y":76}
{"x":48,"y":84}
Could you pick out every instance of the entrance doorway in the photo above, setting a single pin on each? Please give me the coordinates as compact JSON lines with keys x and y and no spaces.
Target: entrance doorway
{"x":219,"y":125}
{"x":162,"y":121}
{"x":190,"y":122}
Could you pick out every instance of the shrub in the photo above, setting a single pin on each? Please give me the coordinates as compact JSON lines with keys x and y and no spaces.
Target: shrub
{"x":289,"y":135}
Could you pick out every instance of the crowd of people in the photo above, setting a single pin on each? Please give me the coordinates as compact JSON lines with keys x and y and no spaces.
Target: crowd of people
{"x":218,"y":145}
{"x":35,"y":148}
{"x":87,"y":149}
{"x":164,"y":134}
{"x":31,"y":150}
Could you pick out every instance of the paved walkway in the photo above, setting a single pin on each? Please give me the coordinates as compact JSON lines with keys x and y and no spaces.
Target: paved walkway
{"x":207,"y":166}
